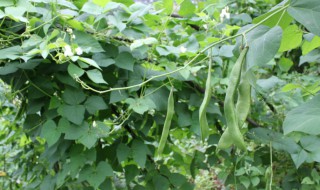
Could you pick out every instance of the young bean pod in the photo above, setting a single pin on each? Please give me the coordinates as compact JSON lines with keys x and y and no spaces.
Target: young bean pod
{"x":204,"y":127}
{"x":167,"y":123}
{"x":232,"y":134}
{"x":244,"y":97}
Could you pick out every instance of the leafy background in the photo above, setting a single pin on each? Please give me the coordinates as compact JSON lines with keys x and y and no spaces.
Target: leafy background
{"x":85,"y":87}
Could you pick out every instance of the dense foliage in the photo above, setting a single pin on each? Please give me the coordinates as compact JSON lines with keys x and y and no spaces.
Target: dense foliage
{"x":87,"y":84}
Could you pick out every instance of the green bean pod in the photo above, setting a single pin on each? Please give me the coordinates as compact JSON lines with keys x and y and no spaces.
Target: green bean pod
{"x":204,"y":127}
{"x":244,"y":97}
{"x":232,"y":134}
{"x":167,"y":123}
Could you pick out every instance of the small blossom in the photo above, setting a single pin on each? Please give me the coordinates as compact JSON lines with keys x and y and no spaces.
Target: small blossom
{"x":183,"y":49}
{"x":67,"y":51}
{"x":225,"y":13}
{"x":73,"y":36}
{"x":205,"y":26}
{"x":69,"y":30}
{"x":79,"y":51}
{"x":117,"y":127}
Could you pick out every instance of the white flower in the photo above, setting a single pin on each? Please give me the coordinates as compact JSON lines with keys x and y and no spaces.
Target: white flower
{"x":67,"y":51}
{"x":225,"y":13}
{"x":183,"y":49}
{"x":79,"y":51}
{"x":73,"y":36}
{"x":69,"y":30}
{"x":117,"y":127}
{"x":205,"y":26}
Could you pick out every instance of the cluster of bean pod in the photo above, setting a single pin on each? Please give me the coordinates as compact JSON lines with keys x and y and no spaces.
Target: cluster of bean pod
{"x":236,"y":114}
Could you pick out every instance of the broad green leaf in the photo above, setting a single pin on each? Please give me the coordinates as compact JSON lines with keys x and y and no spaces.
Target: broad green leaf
{"x":125,"y":60}
{"x":87,"y":42}
{"x":6,"y":3}
{"x":92,"y":8}
{"x":278,"y":140}
{"x":32,"y":41}
{"x":96,"y":76}
{"x":307,"y":13}
{"x":96,"y":175}
{"x":131,"y":171}
{"x":90,"y":62}
{"x":310,"y":143}
{"x":139,"y":153}
{"x":160,"y":182}
{"x":305,"y":118}
{"x":282,"y":19}
{"x":285,"y":64}
{"x":73,"y":96}
{"x":74,"y":113}
{"x":291,"y":38}
{"x":299,"y":158}
{"x":117,"y":22}
{"x":309,"y":46}
{"x":50,"y":132}
{"x":7,"y":69}
{"x":74,"y":70}
{"x":140,"y":105}
{"x":103,"y":60}
{"x":95,"y":103}
{"x":147,"y":41}
{"x":101,"y":3}
{"x":125,"y":2}
{"x":117,"y":96}
{"x":89,"y":139}
{"x":289,"y":87}
{"x":177,"y":179}
{"x":311,"y":57}
{"x":226,"y":51}
{"x":75,"y":132}
{"x":168,"y":6}
{"x":264,"y":47}
{"x":123,"y":151}
{"x":12,"y":52}
{"x":187,"y":8}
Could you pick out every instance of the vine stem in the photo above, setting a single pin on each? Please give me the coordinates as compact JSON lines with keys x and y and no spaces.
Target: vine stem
{"x":187,"y":64}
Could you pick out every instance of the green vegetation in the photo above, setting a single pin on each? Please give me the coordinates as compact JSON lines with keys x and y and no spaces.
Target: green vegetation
{"x":101,"y":94}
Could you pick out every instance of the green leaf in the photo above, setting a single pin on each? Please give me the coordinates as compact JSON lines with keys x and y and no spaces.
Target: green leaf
{"x":89,"y":139}
{"x":307,"y":13}
{"x":74,"y":113}
{"x":139,"y":153}
{"x":131,"y":171}
{"x":75,"y":132}
{"x":50,"y":132}
{"x":87,"y":42}
{"x":309,"y":46}
{"x":103,"y":60}
{"x":117,"y":96}
{"x":11,"y":52}
{"x":92,"y":8}
{"x":160,"y":182}
{"x":168,"y":6}
{"x":6,"y":3}
{"x":96,"y":76}
{"x":291,"y":38}
{"x":264,"y":46}
{"x":282,"y":19}
{"x":310,"y":143}
{"x":101,"y":3}
{"x":95,"y":103}
{"x":140,"y":105}
{"x":96,"y":175}
{"x":305,"y":118}
{"x":125,"y":60}
{"x":74,"y":70}
{"x":278,"y":140}
{"x":123,"y":151}
{"x":187,"y":8}
{"x":299,"y":157}
{"x":90,"y":62}
{"x":73,"y":96}
{"x":285,"y":64}
{"x":141,"y":42}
